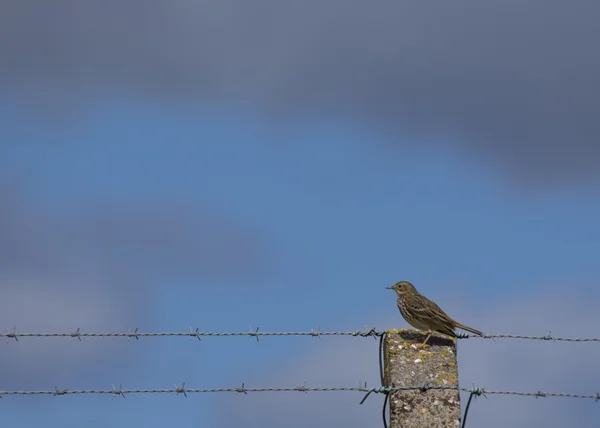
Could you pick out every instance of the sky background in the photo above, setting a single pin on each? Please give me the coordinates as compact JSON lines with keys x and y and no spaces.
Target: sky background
{"x":276,"y":165}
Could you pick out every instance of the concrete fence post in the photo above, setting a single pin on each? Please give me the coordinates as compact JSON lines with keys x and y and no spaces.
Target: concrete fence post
{"x":406,"y":364}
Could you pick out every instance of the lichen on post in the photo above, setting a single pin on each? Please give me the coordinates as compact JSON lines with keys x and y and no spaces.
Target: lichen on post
{"x":406,"y":365}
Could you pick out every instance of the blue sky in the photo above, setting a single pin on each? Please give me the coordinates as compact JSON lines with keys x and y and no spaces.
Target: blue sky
{"x":217,"y":166}
{"x":334,"y":216}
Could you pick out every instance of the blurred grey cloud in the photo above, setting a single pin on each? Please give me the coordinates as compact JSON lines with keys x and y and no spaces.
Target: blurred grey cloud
{"x":97,"y":269}
{"x":516,"y":83}
{"x":510,"y":365}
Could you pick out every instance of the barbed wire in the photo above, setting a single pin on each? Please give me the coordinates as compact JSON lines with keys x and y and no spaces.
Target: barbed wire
{"x":301,"y":388}
{"x":547,"y":337}
{"x":256,"y":333}
{"x":196,"y":333}
{"x":136,"y":334}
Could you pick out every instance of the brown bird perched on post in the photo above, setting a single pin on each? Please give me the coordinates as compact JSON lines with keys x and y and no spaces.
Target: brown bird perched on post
{"x":423,"y":314}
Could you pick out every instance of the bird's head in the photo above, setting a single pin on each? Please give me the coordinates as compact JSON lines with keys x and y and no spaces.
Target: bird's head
{"x":401,"y":287}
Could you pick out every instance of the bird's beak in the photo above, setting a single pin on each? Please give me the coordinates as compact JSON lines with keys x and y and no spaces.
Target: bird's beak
{"x":391,"y":287}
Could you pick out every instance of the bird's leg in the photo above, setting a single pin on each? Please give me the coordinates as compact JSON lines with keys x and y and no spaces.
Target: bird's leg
{"x":427,"y":338}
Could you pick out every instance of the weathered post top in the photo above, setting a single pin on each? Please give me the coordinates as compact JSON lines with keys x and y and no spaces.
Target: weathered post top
{"x":407,"y":364}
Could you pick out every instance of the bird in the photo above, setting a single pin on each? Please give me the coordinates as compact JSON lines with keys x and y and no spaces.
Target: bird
{"x":423,"y":314}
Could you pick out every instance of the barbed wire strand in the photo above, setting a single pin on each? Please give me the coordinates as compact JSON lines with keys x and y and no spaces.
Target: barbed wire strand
{"x":547,"y":337}
{"x":302,"y":388}
{"x":136,"y":334}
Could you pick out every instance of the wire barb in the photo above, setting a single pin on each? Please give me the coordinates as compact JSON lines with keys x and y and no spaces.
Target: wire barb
{"x":371,"y":333}
{"x":12,"y":335}
{"x":181,"y":390}
{"x":477,"y":391}
{"x":60,"y":391}
{"x":119,"y":391}
{"x":549,"y":337}
{"x":134,"y":334}
{"x":195,"y":334}
{"x":76,"y":334}
{"x":302,"y":388}
{"x":254,"y":333}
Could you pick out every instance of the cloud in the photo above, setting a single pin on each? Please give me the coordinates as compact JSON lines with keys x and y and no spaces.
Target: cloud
{"x":512,"y":365}
{"x":518,"y":85}
{"x":97,"y":269}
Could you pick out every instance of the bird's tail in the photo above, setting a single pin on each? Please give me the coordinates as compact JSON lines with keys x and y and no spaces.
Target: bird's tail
{"x":467,"y":328}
